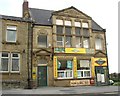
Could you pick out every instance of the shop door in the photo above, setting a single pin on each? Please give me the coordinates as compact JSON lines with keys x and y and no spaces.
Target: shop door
{"x":100,"y":75}
{"x":42,"y":76}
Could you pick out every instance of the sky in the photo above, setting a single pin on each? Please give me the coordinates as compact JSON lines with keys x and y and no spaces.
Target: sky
{"x":104,"y":12}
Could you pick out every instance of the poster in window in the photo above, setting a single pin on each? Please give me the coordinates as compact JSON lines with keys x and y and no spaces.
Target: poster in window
{"x":69,"y":64}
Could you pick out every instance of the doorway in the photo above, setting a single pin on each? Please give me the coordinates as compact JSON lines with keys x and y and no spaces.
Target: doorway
{"x":42,"y":76}
{"x":101,"y":75}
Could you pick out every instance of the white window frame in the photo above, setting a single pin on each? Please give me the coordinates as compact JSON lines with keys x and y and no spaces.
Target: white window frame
{"x":1,"y":62}
{"x":84,"y":73}
{"x":13,"y":28}
{"x":11,"y":62}
{"x":59,"y":22}
{"x":65,"y":72}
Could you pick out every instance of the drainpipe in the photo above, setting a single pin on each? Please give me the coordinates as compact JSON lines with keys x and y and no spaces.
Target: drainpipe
{"x":106,"y":55}
{"x":29,"y":63}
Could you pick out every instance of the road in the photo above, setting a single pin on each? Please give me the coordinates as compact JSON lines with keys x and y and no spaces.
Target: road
{"x":64,"y":91}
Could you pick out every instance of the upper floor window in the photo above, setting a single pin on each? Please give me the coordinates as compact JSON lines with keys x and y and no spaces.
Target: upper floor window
{"x":86,"y":42}
{"x":59,"y":29}
{"x":59,"y":22}
{"x":78,"y":31}
{"x":77,"y":24}
{"x":68,"y":30}
{"x":11,"y":34}
{"x":42,"y":40}
{"x":98,"y":44}
{"x":67,"y":23}
{"x":85,"y":25}
{"x":60,"y":41}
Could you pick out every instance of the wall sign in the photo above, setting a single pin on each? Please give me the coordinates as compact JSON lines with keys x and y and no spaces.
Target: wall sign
{"x":79,"y":82}
{"x":100,"y":61}
{"x":59,"y":50}
{"x":55,"y":66}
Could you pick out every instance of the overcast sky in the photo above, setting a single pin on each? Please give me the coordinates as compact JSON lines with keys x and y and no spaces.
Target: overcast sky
{"x":104,"y":12}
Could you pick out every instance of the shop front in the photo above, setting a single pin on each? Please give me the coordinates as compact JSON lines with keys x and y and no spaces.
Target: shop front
{"x":72,"y":66}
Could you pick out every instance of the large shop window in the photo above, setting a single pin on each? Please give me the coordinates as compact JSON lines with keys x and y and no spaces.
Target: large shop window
{"x":98,"y":44}
{"x":42,"y":41}
{"x":9,"y":62}
{"x":83,"y":69}
{"x":65,"y":69}
{"x":11,"y":34}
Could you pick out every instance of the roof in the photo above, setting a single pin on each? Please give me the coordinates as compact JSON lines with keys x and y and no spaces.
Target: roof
{"x":13,"y":18}
{"x":43,"y":17}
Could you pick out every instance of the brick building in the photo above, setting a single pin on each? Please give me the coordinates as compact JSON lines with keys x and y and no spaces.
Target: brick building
{"x":66,"y":48}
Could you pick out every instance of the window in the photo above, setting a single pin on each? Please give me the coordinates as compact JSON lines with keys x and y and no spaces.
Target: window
{"x":15,"y":62}
{"x":9,"y":60}
{"x":68,"y":30}
{"x":42,"y":41}
{"x":67,"y":23}
{"x":77,"y":24}
{"x":86,"y":42}
{"x":98,"y":44}
{"x":83,"y":69}
{"x":4,"y":62}
{"x":68,"y":41}
{"x":78,"y":42}
{"x":86,"y":32}
{"x":59,"y":22}
{"x":60,"y":41}
{"x":65,"y":69}
{"x":11,"y":34}
{"x":59,"y":30}
{"x":85,"y":25}
{"x":77,"y":31}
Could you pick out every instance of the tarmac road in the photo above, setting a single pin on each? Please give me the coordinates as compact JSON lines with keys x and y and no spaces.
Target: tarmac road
{"x":64,"y":91}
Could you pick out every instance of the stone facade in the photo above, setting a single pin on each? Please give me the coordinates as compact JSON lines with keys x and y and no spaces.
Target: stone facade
{"x":20,"y":46}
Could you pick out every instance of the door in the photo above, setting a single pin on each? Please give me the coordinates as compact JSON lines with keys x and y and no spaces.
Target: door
{"x":42,"y":76}
{"x":101,"y":75}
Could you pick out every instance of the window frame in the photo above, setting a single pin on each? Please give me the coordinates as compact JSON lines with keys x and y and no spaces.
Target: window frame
{"x":1,"y":62}
{"x":45,"y":43}
{"x":12,"y":63}
{"x":10,"y":29}
{"x":101,"y":45}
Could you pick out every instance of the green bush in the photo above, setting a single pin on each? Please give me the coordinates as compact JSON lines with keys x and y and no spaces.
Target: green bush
{"x":116,"y":84}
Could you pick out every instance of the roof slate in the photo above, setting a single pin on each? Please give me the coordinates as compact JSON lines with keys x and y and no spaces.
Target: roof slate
{"x":43,"y":17}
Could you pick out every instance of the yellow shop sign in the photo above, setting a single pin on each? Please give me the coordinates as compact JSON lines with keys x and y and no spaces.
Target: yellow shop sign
{"x":75,"y":50}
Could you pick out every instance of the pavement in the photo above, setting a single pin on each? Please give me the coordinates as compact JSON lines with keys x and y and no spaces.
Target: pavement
{"x":65,"y":90}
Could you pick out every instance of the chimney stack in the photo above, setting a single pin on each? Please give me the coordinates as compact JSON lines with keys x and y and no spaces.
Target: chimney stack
{"x":25,"y":9}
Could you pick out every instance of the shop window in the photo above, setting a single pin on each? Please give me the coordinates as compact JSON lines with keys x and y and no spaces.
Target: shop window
{"x":11,"y":34}
{"x":60,"y":41}
{"x":65,"y":69}
{"x":86,"y":42}
{"x":68,"y":41}
{"x":83,"y":68}
{"x":42,"y":41}
{"x":98,"y":44}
